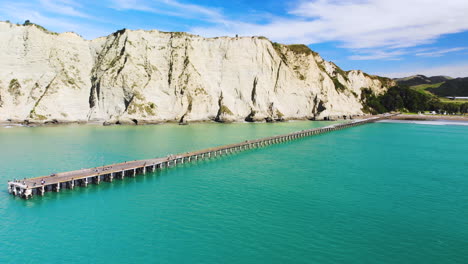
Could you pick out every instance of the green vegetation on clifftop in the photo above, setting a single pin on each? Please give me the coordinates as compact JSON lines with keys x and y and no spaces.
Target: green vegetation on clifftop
{"x":29,"y":23}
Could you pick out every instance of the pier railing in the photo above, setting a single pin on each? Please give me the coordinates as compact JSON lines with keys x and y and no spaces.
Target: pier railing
{"x":28,"y":188}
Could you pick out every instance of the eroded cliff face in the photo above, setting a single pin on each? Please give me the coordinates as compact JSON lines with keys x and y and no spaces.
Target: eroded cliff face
{"x":153,"y":76}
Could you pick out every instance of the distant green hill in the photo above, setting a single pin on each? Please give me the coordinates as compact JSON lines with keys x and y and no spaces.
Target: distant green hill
{"x":454,"y":87}
{"x":438,"y":86}
{"x":421,"y":79}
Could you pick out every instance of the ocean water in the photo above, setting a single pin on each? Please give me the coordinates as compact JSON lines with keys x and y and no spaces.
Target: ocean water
{"x":378,"y":193}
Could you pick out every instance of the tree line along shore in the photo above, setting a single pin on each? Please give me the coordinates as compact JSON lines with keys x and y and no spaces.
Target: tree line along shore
{"x":404,"y":99}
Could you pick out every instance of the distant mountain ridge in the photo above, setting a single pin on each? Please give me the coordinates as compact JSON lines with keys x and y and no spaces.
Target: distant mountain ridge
{"x":422,"y":79}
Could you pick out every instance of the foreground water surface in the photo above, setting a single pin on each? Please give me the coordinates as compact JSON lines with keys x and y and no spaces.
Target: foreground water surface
{"x":378,"y":193}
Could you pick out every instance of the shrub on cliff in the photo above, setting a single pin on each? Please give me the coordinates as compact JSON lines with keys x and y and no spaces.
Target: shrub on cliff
{"x":402,"y":98}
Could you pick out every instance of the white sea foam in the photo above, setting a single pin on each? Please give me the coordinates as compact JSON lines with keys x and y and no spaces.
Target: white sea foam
{"x":429,"y":122}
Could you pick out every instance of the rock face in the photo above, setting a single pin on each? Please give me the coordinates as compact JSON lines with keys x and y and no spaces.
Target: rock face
{"x":153,"y":76}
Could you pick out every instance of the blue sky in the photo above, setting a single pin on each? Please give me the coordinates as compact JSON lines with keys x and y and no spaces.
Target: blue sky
{"x":388,"y":37}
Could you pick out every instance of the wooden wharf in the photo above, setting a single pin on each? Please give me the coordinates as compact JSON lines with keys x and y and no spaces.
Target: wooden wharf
{"x":28,"y":188}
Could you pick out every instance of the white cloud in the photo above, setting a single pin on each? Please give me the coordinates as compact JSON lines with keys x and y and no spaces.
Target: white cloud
{"x":357,"y":23}
{"x":459,"y":70}
{"x":63,"y":7}
{"x":21,"y":12}
{"x":438,"y":53}
{"x":196,"y":9}
{"x":378,"y":55}
{"x":131,"y":4}
{"x":372,"y":29}
{"x":171,"y":8}
{"x":381,"y":54}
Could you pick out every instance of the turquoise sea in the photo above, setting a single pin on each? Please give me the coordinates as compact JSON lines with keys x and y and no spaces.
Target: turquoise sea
{"x":378,"y":193}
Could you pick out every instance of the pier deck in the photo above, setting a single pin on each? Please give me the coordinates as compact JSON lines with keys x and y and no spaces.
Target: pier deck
{"x":28,"y":188}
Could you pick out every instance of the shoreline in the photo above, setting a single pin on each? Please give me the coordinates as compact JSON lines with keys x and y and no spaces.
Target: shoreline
{"x":401,"y":117}
{"x":429,"y":118}
{"x":5,"y":124}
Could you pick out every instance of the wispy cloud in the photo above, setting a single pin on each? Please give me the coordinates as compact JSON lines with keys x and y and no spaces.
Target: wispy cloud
{"x":357,"y":24}
{"x":24,"y":11}
{"x":365,"y":54}
{"x":64,"y":7}
{"x":438,"y":53}
{"x":171,"y":8}
{"x":371,"y":29}
{"x":60,"y":19}
{"x":458,"y":70}
{"x":378,"y":55}
{"x":212,"y":13}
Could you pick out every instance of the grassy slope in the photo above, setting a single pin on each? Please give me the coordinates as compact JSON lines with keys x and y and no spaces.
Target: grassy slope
{"x":422,"y":89}
{"x":446,"y":100}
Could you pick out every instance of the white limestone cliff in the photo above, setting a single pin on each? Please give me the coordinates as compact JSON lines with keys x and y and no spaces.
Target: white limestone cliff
{"x":154,"y":76}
